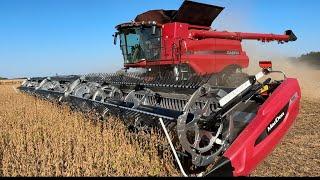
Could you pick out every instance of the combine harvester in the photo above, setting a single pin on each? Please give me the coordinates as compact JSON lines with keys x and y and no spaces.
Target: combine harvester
{"x":225,"y":121}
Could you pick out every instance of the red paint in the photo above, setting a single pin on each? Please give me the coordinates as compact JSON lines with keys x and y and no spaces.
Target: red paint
{"x":206,"y":51}
{"x":265,"y":64}
{"x":244,"y":155}
{"x":238,"y":35}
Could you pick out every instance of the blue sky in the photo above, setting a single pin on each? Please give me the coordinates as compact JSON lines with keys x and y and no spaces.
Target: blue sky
{"x":45,"y":37}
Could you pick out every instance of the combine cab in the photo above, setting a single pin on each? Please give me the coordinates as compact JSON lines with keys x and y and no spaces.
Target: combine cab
{"x":225,"y":122}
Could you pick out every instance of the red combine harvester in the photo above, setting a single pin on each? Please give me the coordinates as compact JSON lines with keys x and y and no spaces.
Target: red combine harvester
{"x":224,"y":122}
{"x":182,"y":43}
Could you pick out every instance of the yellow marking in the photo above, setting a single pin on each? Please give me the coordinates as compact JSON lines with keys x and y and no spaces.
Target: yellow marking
{"x":264,"y":89}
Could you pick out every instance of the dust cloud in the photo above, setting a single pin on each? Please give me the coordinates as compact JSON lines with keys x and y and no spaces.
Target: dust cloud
{"x":308,"y":77}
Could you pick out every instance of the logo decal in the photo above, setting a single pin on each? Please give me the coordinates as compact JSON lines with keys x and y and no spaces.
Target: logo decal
{"x":277,"y":120}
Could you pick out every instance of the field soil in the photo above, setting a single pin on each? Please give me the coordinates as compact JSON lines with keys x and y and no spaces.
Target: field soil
{"x":42,"y":139}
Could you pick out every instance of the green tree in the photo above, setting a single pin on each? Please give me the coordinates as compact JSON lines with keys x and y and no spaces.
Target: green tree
{"x":312,"y":58}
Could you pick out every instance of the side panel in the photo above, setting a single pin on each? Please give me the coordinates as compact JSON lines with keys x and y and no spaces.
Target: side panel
{"x":214,"y":55}
{"x":171,"y":34}
{"x":247,"y":151}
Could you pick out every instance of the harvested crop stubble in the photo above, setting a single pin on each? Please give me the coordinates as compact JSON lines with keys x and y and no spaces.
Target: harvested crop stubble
{"x":38,"y":138}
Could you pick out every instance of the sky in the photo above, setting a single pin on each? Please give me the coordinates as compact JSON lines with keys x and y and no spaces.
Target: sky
{"x":48,"y":37}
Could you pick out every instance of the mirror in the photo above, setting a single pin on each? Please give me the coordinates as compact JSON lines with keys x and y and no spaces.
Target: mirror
{"x":115,"y":35}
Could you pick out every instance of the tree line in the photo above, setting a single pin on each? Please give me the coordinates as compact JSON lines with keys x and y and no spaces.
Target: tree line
{"x":311,"y":58}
